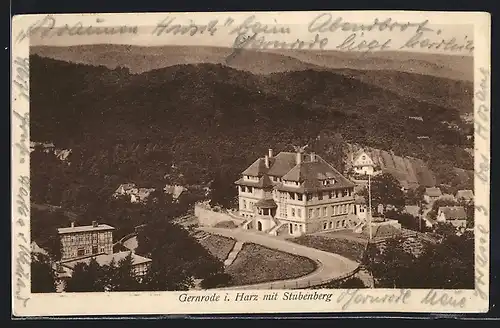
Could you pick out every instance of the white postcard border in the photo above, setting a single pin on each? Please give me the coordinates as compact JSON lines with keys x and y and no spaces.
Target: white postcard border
{"x":123,"y":303}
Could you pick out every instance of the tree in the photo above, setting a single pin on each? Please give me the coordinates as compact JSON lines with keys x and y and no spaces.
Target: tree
{"x":88,"y":278}
{"x":43,"y":277}
{"x":333,"y":147}
{"x":120,"y":276}
{"x":177,"y":258}
{"x":386,"y":190}
{"x":470,"y":210}
{"x":392,"y":266}
{"x":407,"y":220}
{"x":449,"y":264}
{"x":223,"y":191}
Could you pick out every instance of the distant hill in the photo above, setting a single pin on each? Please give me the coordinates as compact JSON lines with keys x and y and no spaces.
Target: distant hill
{"x":441,"y":80}
{"x":212,"y":117}
{"x":140,"y":59}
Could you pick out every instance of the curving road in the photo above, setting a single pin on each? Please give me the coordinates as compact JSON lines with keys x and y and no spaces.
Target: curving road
{"x":329,"y":266}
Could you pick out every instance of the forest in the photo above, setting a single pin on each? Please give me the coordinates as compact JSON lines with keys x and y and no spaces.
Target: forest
{"x":208,"y":118}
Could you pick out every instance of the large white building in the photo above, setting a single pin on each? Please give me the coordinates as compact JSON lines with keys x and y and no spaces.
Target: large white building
{"x":299,"y":192}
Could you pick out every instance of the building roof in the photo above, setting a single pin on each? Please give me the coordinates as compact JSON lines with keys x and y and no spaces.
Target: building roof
{"x":125,"y":186}
{"x":106,"y":259}
{"x":359,"y":200}
{"x":175,"y":191}
{"x":467,"y":194}
{"x":453,"y":212}
{"x":100,"y":227}
{"x":433,"y":192}
{"x":413,"y":210}
{"x":359,"y":161}
{"x":310,"y":173}
{"x":35,"y":249}
{"x":283,"y":163}
{"x":264,"y":182}
{"x":266,"y":203}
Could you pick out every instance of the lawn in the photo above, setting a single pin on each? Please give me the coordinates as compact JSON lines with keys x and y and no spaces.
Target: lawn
{"x":255,"y":264}
{"x":218,"y":246}
{"x":350,"y":249}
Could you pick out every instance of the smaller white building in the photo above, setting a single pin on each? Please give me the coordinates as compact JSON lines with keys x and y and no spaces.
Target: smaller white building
{"x":361,"y":208}
{"x":363,"y":164}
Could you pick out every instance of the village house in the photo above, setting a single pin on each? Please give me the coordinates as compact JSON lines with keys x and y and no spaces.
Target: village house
{"x":432,"y":194}
{"x":299,"y":191}
{"x":466,"y":195}
{"x":363,"y":164}
{"x":136,"y":195}
{"x":78,"y":241}
{"x":452,"y":214}
{"x":174,"y":190}
{"x":360,"y":207}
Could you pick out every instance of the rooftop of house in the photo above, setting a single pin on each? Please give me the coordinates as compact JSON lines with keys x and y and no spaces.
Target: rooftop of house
{"x":362,"y":158}
{"x":310,"y":170}
{"x":453,"y":212}
{"x":35,"y":249}
{"x":106,"y":259}
{"x":413,"y":210}
{"x":86,"y":228}
{"x":359,"y":200}
{"x":433,"y":192}
{"x":467,"y":194}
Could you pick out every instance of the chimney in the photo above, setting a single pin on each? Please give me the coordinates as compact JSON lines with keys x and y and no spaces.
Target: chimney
{"x":270,"y":152}
{"x":94,"y":224}
{"x":299,"y":158}
{"x":72,"y":224}
{"x":313,"y":157}
{"x":266,"y":160}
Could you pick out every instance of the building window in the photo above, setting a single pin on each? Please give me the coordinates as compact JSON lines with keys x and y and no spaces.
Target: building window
{"x":80,"y":252}
{"x":330,"y":194}
{"x":343,"y":223}
{"x":293,"y":212}
{"x":310,"y":213}
{"x":250,"y":189}
{"x":317,"y":212}
{"x":300,"y":197}
{"x":296,"y":227}
{"x":309,"y":196}
{"x":320,"y":196}
{"x":244,"y":204}
{"x":331,"y":225}
{"x":299,"y":212}
{"x":361,"y":209}
{"x":292,"y":195}
{"x":94,"y":250}
{"x":324,"y":226}
{"x":338,"y":224}
{"x":324,"y":211}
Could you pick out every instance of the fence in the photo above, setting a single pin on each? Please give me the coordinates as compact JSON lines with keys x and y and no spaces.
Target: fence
{"x":296,"y":284}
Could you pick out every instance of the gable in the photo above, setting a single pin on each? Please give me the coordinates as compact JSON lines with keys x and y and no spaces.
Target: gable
{"x":363,"y":160}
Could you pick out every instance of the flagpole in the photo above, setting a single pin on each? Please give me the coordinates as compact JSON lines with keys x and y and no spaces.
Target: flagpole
{"x":369,"y":206}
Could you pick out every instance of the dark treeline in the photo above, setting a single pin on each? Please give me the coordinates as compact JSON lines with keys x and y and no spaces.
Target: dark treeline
{"x":205,"y":118}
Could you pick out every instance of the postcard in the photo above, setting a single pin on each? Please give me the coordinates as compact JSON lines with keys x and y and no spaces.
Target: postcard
{"x":250,"y":163}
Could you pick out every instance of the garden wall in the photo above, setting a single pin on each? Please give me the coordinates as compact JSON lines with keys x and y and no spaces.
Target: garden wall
{"x":209,"y":217}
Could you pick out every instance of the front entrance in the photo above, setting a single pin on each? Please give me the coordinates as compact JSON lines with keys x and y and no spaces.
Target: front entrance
{"x":291,"y":228}
{"x":259,"y":226}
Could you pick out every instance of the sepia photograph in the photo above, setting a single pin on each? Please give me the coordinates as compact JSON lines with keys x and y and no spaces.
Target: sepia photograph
{"x":167,"y":167}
